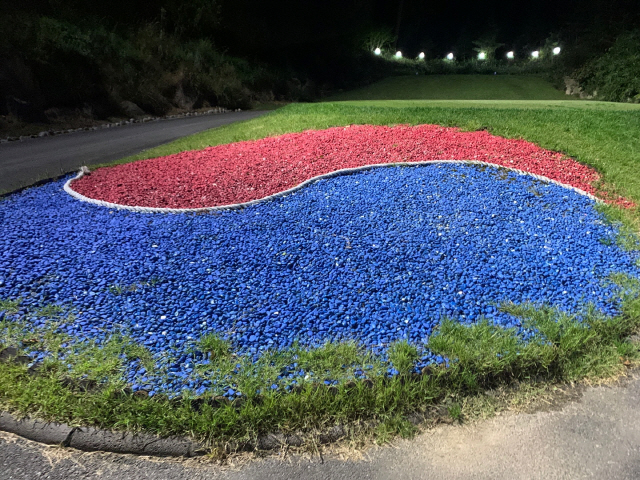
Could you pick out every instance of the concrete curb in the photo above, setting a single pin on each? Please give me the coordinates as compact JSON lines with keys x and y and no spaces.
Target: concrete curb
{"x":91,"y":439}
{"x":37,"y":430}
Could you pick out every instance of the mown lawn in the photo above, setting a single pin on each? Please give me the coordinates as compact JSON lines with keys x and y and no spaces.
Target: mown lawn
{"x":456,"y":87}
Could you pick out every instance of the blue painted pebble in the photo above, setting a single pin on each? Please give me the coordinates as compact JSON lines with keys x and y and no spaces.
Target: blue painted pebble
{"x":375,"y":256}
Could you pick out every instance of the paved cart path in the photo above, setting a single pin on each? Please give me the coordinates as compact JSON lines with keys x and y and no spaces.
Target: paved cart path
{"x":597,"y":436}
{"x":24,"y":162}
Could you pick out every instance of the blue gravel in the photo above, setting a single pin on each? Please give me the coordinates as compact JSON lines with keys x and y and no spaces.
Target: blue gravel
{"x":375,"y":256}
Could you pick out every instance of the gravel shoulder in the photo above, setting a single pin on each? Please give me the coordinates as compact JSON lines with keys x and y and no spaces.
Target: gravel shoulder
{"x":25,"y":162}
{"x":597,"y":436}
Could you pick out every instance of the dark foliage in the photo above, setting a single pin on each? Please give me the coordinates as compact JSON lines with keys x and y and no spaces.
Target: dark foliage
{"x":615,"y":75}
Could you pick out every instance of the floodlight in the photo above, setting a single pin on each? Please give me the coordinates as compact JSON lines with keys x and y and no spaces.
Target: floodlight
{"x":398,"y":54}
{"x":556,"y":50}
{"x":377,"y":51}
{"x":535,"y":54}
{"x":510,"y":55}
{"x":421,"y":55}
{"x":450,"y":56}
{"x":482,"y":56}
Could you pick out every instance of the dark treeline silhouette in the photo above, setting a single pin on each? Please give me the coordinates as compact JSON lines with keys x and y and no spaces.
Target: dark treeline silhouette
{"x":103,"y":56}
{"x":179,"y":53}
{"x":293,"y":32}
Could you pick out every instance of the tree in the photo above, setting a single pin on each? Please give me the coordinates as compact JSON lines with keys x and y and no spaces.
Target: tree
{"x":190,"y":19}
{"x":487,"y":44}
{"x":381,"y":38}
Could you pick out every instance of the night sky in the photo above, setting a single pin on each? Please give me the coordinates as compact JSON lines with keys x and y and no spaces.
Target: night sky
{"x":436,"y":27}
{"x":444,"y":25}
{"x":273,"y":29}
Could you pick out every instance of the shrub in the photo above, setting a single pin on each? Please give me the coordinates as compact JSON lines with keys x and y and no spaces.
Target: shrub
{"x":67,"y":64}
{"x":615,"y":75}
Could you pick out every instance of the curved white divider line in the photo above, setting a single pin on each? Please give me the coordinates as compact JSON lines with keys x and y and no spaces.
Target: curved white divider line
{"x":344,"y":171}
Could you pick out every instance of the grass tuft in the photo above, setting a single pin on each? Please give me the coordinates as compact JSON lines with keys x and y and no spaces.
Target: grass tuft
{"x":9,"y":306}
{"x":50,"y":310}
{"x":403,"y":356}
{"x":455,"y":411}
{"x":214,"y":346}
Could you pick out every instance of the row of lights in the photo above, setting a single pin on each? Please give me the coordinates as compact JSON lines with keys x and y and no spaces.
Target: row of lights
{"x":511,"y":55}
{"x":481,"y":55}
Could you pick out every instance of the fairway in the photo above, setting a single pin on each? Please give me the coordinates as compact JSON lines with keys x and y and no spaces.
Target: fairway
{"x":573,"y":104}
{"x":456,"y":87}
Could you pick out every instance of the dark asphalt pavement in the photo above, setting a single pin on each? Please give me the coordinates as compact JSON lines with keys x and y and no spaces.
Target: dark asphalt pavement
{"x":597,"y":437}
{"x":25,"y":162}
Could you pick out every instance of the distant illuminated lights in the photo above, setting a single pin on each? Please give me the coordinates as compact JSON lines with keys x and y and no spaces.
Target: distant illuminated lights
{"x":450,"y":56}
{"x":482,"y":56}
{"x":398,"y":54}
{"x":556,"y":50}
{"x":421,"y":55}
{"x":377,"y":51}
{"x":510,"y":55}
{"x":535,"y":54}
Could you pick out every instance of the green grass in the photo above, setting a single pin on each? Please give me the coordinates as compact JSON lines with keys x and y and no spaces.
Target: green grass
{"x":482,"y":356}
{"x":215,"y":347}
{"x":497,"y":104}
{"x":9,"y":306}
{"x":602,"y":135}
{"x":456,"y":87}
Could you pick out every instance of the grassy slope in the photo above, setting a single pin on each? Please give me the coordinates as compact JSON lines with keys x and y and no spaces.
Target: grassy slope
{"x":454,"y":87}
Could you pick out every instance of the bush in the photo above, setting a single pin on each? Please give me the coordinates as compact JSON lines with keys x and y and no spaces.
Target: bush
{"x":55,"y":63}
{"x":615,"y":75}
{"x":438,"y":66}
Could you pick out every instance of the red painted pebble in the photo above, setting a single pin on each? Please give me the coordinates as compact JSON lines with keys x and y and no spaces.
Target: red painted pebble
{"x":250,"y":170}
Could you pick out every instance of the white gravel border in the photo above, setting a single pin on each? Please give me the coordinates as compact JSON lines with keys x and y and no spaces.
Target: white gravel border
{"x":344,"y":171}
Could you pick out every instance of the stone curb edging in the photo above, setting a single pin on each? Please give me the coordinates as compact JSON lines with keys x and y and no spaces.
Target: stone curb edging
{"x":344,"y":171}
{"x":145,"y":119}
{"x":90,"y":439}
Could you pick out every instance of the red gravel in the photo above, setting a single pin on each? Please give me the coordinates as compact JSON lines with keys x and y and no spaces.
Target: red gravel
{"x":239,"y":172}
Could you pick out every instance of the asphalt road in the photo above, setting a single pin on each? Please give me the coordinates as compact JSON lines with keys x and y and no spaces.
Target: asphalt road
{"x":25,"y":162}
{"x":597,"y":436}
